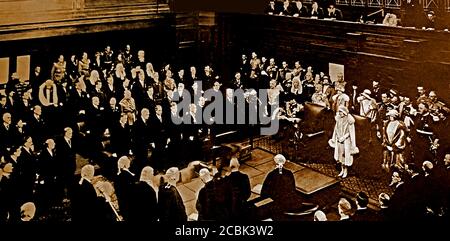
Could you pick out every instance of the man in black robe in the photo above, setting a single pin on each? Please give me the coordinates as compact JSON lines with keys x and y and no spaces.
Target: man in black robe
{"x":144,"y":202}
{"x":170,"y":204}
{"x":240,"y":184}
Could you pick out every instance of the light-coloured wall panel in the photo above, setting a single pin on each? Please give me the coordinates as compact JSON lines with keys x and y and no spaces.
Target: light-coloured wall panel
{"x":23,"y":67}
{"x":4,"y":70}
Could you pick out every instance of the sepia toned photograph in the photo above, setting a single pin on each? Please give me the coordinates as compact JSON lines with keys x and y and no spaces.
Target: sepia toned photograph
{"x":185,"y":111}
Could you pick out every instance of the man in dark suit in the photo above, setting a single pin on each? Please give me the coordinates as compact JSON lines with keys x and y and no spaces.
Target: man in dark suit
{"x":316,"y":11}
{"x":36,"y":127}
{"x":121,"y":137}
{"x":160,"y":138}
{"x":27,"y":170}
{"x":79,"y":99}
{"x":141,"y":138}
{"x":334,"y":13}
{"x":240,"y":184}
{"x":272,"y":8}
{"x":192,"y":76}
{"x":384,"y":213}
{"x":50,"y":193}
{"x":193,"y":133}
{"x":177,"y":139}
{"x":237,"y":82}
{"x":112,"y":113}
{"x":398,"y":198}
{"x":300,"y":10}
{"x":95,"y":123}
{"x":139,"y":89}
{"x":85,"y":202}
{"x":124,"y":185}
{"x":205,"y":203}
{"x":170,"y":204}
{"x":8,"y":134}
{"x":4,"y":107}
{"x":67,"y":157}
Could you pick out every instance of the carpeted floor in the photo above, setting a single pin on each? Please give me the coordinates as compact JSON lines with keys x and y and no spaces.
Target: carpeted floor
{"x":369,"y":180}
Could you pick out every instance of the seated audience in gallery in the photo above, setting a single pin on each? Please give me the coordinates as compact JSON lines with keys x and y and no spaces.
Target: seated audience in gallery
{"x":334,"y":13}
{"x":316,"y":11}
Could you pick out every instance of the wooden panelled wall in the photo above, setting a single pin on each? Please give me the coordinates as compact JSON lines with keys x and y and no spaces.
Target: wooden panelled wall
{"x":399,"y":58}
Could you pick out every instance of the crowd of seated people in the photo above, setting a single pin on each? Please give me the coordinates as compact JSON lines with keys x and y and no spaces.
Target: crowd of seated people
{"x":411,"y":130}
{"x":298,"y":9}
{"x":414,"y":14}
{"x":118,"y":104}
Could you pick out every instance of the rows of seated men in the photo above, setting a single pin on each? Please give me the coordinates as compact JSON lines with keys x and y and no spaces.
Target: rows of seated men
{"x":118,"y":104}
{"x":298,"y":9}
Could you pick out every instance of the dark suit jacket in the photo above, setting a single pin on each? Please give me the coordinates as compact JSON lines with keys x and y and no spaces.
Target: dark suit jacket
{"x":364,"y":215}
{"x":319,"y":13}
{"x":85,"y":203}
{"x":279,"y":186}
{"x":143,"y":204}
{"x":124,"y":186}
{"x":67,"y":157}
{"x":206,"y":203}
{"x":26,"y":169}
{"x":240,"y":192}
{"x":8,"y":138}
{"x":48,"y":166}
{"x":120,"y":139}
{"x":170,"y":205}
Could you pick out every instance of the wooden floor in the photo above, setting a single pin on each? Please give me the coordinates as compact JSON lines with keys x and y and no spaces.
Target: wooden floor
{"x":310,"y":183}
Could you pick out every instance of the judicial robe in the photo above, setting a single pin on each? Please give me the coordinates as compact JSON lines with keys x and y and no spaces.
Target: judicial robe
{"x":170,"y":205}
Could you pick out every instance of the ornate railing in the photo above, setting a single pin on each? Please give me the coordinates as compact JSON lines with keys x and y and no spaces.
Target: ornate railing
{"x":392,"y":4}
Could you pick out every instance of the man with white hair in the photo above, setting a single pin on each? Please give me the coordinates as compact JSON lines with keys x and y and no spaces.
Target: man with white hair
{"x":240,"y":190}
{"x":279,"y":184}
{"x":170,"y":204}
{"x":124,"y":184}
{"x":344,"y":209}
{"x":384,"y":213}
{"x":84,"y":201}
{"x":51,"y":191}
{"x":206,"y":205}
